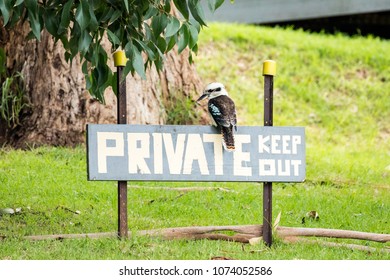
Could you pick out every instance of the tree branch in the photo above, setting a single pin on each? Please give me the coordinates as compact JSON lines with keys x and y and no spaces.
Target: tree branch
{"x":290,"y":239}
{"x":241,"y":234}
{"x":335,"y":233}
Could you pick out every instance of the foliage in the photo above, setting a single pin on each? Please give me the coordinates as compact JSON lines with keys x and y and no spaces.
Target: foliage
{"x":11,"y":94}
{"x":137,"y":27}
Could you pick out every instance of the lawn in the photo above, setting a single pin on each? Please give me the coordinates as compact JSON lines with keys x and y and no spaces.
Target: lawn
{"x":337,"y":87}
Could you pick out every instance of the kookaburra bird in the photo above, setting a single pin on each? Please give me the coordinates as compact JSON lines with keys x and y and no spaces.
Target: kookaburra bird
{"x":223,"y":112}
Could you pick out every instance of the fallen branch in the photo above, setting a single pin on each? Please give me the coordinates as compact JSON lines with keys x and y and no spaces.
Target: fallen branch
{"x":335,"y":233}
{"x":334,"y":244}
{"x":242,"y":233}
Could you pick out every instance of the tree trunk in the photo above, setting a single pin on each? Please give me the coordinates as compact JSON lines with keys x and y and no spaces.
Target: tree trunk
{"x":60,"y":106}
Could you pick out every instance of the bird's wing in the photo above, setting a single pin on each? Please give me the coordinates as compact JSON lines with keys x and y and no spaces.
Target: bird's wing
{"x":223,"y":111}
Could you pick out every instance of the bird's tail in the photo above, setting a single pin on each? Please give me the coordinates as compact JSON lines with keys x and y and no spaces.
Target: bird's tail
{"x":228,"y":138}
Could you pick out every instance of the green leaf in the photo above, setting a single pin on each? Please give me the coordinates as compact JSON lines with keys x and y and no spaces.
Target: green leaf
{"x":127,"y":69}
{"x":151,"y":12}
{"x":167,"y":6}
{"x":214,"y":4}
{"x":18,"y":2}
{"x":197,"y":12}
{"x":74,"y":40}
{"x":148,"y":32}
{"x":107,"y":83}
{"x":172,"y":27}
{"x":126,"y":5}
{"x":148,"y":50}
{"x":106,"y":14}
{"x":33,"y":17}
{"x":30,"y":36}
{"x":113,"y":39}
{"x":171,"y":43}
{"x":181,"y":5}
{"x":68,"y":56}
{"x":115,"y":16}
{"x":84,"y":67}
{"x":195,"y":24}
{"x":129,"y":54}
{"x":16,"y":15}
{"x":65,"y":17}
{"x":101,"y":76}
{"x":114,"y":83}
{"x":157,"y":51}
{"x":84,"y":42}
{"x":219,"y":3}
{"x":64,"y":41}
{"x":138,"y":63}
{"x":93,"y":24}
{"x":35,"y":25}
{"x":159,"y":63}
{"x":159,"y":23}
{"x":193,"y":36}
{"x":184,"y":38}
{"x":161,"y":44}
{"x":52,"y":22}
{"x":88,"y":78}
{"x":83,"y":16}
{"x":5,"y":8}
{"x":102,"y":55}
{"x":195,"y":48}
{"x":31,"y":5}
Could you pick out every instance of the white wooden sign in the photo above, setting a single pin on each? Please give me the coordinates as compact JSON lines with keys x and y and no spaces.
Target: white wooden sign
{"x":195,"y":153}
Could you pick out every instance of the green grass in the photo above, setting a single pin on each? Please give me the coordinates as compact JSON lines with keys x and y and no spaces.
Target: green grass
{"x":335,"y":86}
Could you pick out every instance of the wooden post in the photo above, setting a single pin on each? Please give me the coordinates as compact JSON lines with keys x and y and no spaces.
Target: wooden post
{"x":269,"y":70}
{"x":120,"y":62}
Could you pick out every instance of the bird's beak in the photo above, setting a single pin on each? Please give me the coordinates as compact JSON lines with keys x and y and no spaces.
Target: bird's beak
{"x":204,"y":95}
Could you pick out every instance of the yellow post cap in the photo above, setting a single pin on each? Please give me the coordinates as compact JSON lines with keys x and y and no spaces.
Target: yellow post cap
{"x":120,"y":58}
{"x":269,"y":68}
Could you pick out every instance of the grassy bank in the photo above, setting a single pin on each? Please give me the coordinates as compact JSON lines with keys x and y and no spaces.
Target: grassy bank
{"x":335,"y":86}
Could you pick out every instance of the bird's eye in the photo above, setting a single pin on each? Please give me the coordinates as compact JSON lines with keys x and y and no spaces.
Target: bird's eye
{"x":218,"y":89}
{"x":210,"y":90}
